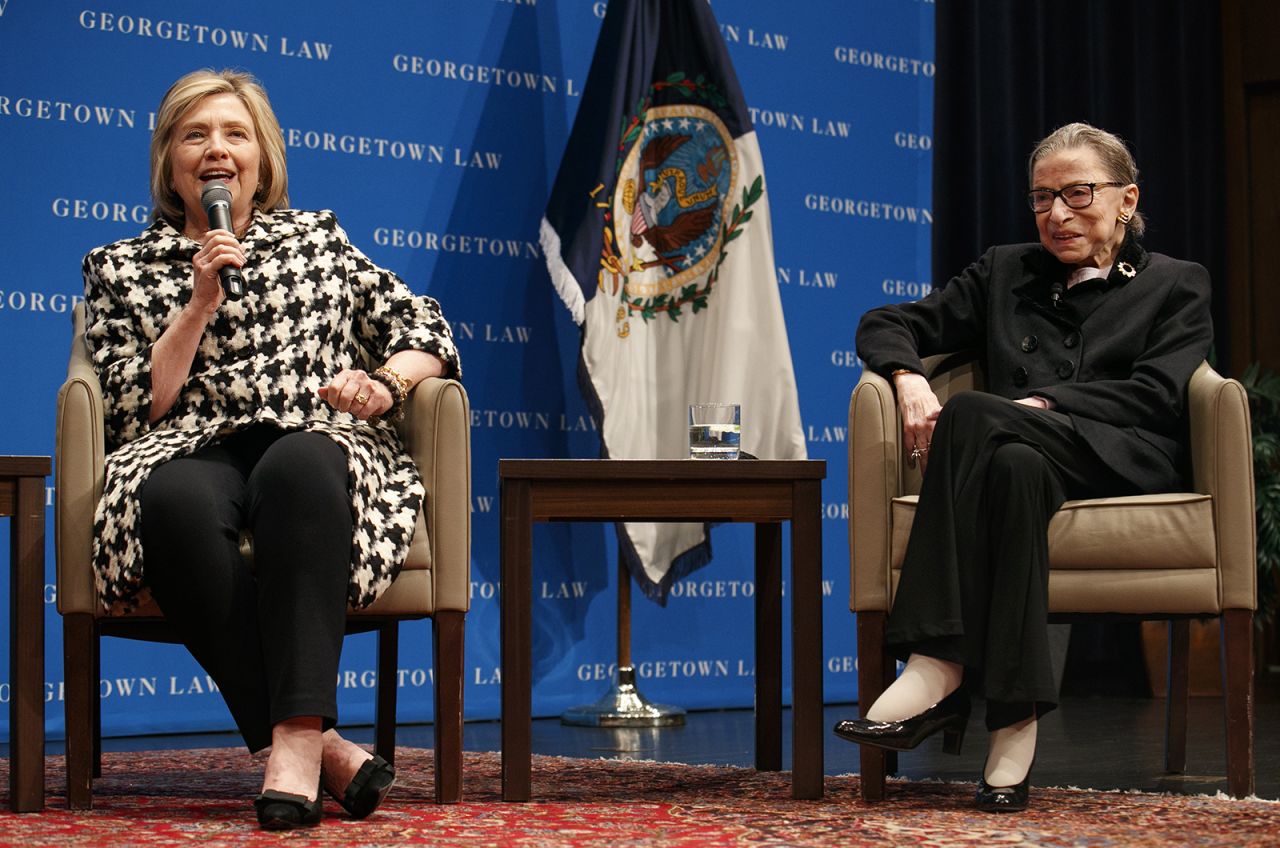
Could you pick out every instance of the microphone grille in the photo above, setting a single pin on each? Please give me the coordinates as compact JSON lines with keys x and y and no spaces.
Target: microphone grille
{"x":215,"y":191}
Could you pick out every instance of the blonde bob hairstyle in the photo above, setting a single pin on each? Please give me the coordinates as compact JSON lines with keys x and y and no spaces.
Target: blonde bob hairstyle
{"x":273,"y":179}
{"x":1112,"y":152}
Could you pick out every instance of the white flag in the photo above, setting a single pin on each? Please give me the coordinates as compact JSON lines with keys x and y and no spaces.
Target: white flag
{"x":658,"y":238}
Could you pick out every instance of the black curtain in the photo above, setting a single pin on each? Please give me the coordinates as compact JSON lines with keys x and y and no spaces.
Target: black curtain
{"x":1011,"y":71}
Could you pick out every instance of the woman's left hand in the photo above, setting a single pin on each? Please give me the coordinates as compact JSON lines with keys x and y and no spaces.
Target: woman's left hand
{"x":356,"y":392}
{"x":919,"y":409}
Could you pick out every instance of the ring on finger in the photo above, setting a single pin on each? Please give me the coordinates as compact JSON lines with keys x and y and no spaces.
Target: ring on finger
{"x":362,"y":398}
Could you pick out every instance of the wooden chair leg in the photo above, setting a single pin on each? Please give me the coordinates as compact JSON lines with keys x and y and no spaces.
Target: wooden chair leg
{"x":384,"y":719}
{"x":79,"y":647}
{"x":1175,"y":714}
{"x":95,"y":698}
{"x":871,"y":676}
{"x":1237,"y":685}
{"x":447,"y":640}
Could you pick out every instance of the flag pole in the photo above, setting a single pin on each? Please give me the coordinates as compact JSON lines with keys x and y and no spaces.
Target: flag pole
{"x":624,"y":614}
{"x":623,"y":705}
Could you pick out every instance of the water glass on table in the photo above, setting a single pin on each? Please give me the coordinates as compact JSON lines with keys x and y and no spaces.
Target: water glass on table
{"x":715,"y":430}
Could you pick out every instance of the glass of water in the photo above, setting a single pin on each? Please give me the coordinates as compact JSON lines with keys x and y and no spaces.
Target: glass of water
{"x":715,"y":430}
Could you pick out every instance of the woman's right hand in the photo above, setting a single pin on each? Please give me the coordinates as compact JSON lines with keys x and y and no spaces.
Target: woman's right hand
{"x":175,"y":350}
{"x":219,"y":249}
{"x":919,"y":408}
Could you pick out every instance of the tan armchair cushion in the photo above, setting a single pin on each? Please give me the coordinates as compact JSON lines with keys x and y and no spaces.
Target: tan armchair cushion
{"x":1131,"y":555}
{"x":1106,"y":533}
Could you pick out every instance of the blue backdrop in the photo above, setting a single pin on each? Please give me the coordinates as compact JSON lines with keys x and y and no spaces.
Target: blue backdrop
{"x":434,"y":130}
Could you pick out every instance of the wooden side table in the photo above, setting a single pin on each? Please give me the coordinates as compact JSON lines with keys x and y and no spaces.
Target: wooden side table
{"x":764,"y":492}
{"x":22,"y":498}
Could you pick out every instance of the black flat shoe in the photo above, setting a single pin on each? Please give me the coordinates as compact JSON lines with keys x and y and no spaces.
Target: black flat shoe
{"x":285,"y":811}
{"x":950,"y":715}
{"x":1003,"y":799}
{"x":367,"y":789}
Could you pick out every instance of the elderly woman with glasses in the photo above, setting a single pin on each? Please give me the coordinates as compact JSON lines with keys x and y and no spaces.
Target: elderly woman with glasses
{"x":1088,"y":342}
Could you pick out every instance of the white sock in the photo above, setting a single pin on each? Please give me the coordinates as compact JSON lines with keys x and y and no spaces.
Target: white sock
{"x":924,"y":682}
{"x":1010,"y":754}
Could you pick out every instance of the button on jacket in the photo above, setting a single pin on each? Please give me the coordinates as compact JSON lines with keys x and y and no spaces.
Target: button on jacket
{"x":1118,"y":365}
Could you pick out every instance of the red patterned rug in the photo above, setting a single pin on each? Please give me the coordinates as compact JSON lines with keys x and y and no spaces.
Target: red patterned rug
{"x":203,"y":798}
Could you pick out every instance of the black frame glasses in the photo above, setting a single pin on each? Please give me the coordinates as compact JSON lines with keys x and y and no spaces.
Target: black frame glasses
{"x":1041,"y":199}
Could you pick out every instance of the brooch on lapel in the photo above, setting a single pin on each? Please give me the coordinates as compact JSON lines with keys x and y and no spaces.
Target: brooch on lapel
{"x":1126,"y":269}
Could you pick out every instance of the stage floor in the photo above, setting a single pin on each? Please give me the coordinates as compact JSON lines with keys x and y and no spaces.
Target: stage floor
{"x":1100,"y":742}
{"x":1095,"y":742}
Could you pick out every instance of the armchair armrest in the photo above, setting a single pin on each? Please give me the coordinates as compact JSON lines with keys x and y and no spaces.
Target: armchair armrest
{"x":436,"y":429}
{"x":1222,"y":466}
{"x":79,"y":476}
{"x":874,"y":480}
{"x":877,"y":474}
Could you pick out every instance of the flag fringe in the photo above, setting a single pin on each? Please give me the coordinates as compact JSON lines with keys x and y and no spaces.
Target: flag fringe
{"x":682,"y":565}
{"x":566,"y":285}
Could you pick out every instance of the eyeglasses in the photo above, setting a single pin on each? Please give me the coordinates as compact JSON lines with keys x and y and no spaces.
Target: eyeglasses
{"x":1077,"y":196}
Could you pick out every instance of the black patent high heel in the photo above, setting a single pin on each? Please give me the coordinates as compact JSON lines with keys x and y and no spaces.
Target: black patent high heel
{"x":1004,"y":799}
{"x":950,"y":715}
{"x":367,"y":789}
{"x":285,"y":811}
{"x":953,"y":737}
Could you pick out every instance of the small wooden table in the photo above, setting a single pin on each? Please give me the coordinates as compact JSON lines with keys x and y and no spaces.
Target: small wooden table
{"x":22,"y":497}
{"x":764,"y":492}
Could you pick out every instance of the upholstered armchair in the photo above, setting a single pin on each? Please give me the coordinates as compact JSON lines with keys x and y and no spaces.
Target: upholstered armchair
{"x":1169,"y":556}
{"x":434,"y":581}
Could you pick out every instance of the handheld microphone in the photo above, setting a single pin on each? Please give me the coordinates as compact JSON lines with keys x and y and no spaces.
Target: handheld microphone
{"x":216,"y":200}
{"x":1055,"y":294}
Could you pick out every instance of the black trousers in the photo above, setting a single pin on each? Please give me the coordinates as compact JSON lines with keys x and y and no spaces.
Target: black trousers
{"x":269,"y":634}
{"x":975,"y":578}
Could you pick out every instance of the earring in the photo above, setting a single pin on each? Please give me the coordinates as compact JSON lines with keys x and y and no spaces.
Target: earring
{"x":1125,"y":217}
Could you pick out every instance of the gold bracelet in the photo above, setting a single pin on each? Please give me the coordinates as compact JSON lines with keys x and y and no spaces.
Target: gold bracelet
{"x":399,"y":387}
{"x":903,"y":371}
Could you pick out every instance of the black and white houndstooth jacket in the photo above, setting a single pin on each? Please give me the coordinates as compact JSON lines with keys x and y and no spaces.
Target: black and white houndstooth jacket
{"x":314,"y":305}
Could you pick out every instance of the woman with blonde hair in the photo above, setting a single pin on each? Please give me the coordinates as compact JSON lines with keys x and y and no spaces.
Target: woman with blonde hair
{"x":256,"y":415}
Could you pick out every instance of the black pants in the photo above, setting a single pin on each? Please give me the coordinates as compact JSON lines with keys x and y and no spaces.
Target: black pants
{"x":269,"y":634}
{"x":975,"y":577}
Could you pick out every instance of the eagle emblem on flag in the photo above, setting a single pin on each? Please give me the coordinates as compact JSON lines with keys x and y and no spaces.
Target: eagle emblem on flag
{"x":669,"y":221}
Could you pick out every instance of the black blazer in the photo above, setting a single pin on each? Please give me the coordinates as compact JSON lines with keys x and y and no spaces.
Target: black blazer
{"x":1114,"y":355}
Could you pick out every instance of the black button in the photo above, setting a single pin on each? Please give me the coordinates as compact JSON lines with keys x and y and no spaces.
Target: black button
{"x":1071,"y":340}
{"x":1066,"y":368}
{"x":1030,"y":343}
{"x":1019,"y":376}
